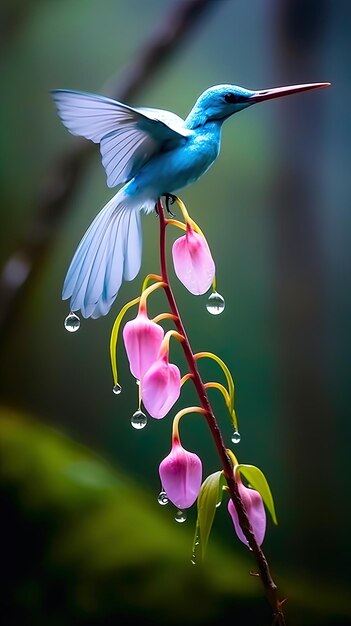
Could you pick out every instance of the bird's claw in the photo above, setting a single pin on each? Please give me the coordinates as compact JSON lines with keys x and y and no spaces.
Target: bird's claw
{"x":170,"y":199}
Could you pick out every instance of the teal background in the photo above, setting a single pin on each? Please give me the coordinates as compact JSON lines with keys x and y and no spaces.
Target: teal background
{"x":275,"y":210}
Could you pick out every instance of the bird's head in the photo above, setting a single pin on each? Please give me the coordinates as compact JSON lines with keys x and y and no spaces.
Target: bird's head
{"x":221,"y":101}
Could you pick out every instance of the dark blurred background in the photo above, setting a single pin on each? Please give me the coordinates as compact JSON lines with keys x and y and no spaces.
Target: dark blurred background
{"x":84,"y":539}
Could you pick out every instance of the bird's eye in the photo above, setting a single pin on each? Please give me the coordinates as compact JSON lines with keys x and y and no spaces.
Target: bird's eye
{"x":232,"y":98}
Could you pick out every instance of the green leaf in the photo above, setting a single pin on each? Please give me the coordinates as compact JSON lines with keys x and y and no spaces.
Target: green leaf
{"x":258,"y":481}
{"x":209,"y":498}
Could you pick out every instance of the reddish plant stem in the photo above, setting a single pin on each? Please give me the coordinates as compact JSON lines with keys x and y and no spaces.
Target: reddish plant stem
{"x":265,"y":575}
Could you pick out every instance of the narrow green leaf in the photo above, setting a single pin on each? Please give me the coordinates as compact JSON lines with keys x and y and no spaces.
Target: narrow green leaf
{"x":209,"y":497}
{"x":196,"y":536}
{"x":222,"y":483}
{"x":258,"y":481}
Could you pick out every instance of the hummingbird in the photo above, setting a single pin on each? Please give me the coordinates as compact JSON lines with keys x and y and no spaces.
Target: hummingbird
{"x":152,"y":153}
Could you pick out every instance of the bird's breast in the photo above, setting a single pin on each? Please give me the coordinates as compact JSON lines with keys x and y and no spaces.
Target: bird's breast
{"x":202,"y":152}
{"x":179,"y":167}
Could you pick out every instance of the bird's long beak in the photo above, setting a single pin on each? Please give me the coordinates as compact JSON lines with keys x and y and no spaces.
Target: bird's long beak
{"x":277,"y":92}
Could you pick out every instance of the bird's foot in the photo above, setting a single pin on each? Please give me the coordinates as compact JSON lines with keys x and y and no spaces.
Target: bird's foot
{"x":170,"y":199}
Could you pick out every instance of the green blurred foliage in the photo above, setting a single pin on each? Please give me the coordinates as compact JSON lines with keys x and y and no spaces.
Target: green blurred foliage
{"x":90,"y":543}
{"x":82,"y":543}
{"x":66,"y":379}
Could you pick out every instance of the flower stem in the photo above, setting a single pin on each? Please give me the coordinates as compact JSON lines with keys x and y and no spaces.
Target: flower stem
{"x":163,"y":316}
{"x":222,"y":389}
{"x":264,"y":572}
{"x":225,"y":369}
{"x":114,"y":336}
{"x":145,"y":292}
{"x":149,"y":277}
{"x":176,"y":420}
{"x":189,"y":222}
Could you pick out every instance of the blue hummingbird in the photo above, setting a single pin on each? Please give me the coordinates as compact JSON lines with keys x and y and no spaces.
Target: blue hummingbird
{"x":155,"y":153}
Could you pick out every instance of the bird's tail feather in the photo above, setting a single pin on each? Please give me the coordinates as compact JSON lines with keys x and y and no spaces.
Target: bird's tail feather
{"x":109,"y":252}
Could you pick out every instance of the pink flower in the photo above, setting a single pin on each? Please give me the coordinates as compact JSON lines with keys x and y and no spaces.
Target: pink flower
{"x":181,"y":475}
{"x":255,"y":511}
{"x":193,"y":262}
{"x":142,"y":340}
{"x":160,"y":386}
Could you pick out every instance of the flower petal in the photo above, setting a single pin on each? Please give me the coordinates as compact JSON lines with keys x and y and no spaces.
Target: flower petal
{"x":181,"y":476}
{"x":193,"y":262}
{"x":142,"y":339}
{"x":255,"y":511}
{"x":160,"y":387}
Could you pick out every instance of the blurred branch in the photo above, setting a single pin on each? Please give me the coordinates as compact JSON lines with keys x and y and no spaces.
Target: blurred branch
{"x":61,"y":181}
{"x":13,"y":15}
{"x":297,"y":204}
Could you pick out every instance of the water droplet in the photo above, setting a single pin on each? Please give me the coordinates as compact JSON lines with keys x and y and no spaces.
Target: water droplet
{"x":117,"y":389}
{"x":162,"y":498}
{"x":215,"y":304}
{"x":72,"y":322}
{"x":138,"y":420}
{"x":137,"y":381}
{"x":195,"y":549}
{"x":218,"y":503}
{"x":236,"y":437}
{"x":180,"y":516}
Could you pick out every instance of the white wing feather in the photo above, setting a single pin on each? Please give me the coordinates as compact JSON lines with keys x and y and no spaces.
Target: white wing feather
{"x":89,"y":116}
{"x":109,"y":252}
{"x":128,"y":136}
{"x":171,"y":120}
{"x":122,"y":151}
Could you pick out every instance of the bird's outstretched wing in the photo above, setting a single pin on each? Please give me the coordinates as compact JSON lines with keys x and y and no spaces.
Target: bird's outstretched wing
{"x":128,"y":136}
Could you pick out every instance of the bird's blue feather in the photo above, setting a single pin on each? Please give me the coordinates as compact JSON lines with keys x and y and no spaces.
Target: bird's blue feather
{"x":155,"y":152}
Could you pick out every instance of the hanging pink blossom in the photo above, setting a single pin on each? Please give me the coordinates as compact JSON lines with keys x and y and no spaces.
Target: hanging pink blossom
{"x":142,"y":339}
{"x":181,"y":476}
{"x":255,"y":511}
{"x":160,"y":386}
{"x":193,"y":262}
